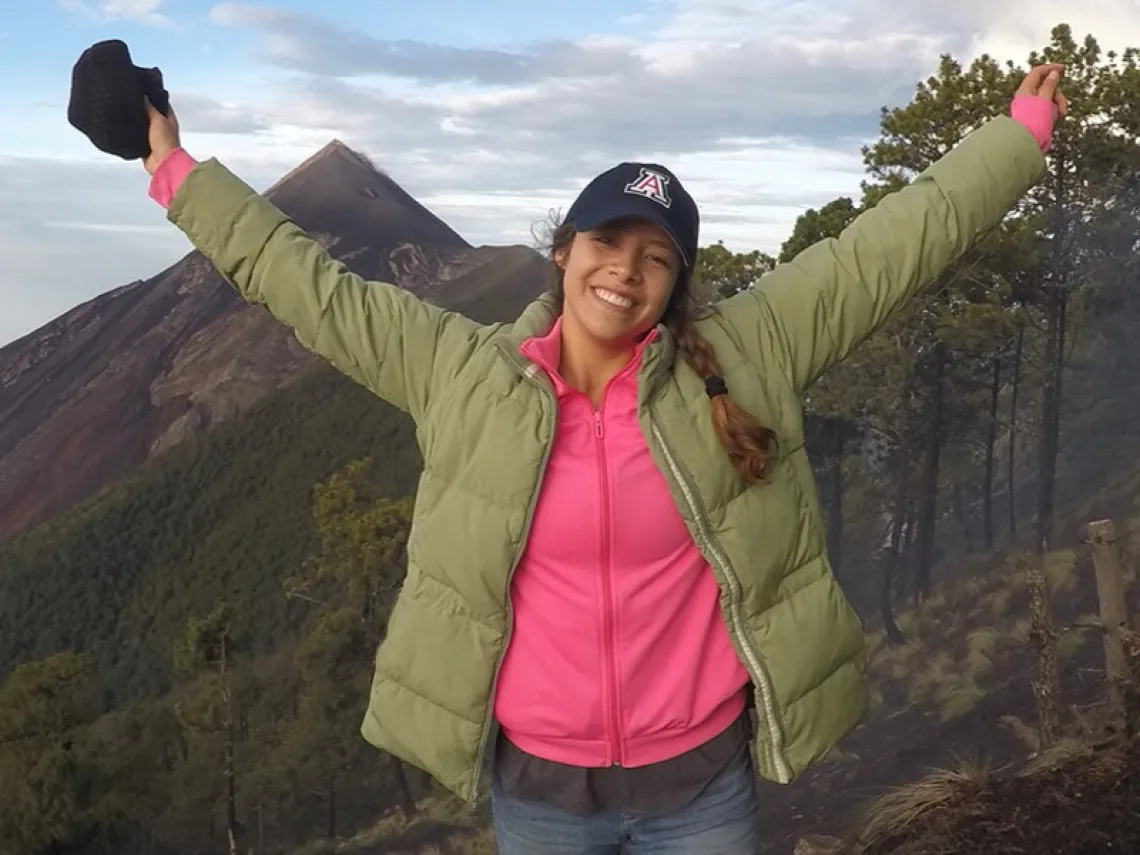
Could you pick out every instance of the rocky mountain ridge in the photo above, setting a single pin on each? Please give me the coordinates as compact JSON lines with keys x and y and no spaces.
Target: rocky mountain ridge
{"x":139,"y":369}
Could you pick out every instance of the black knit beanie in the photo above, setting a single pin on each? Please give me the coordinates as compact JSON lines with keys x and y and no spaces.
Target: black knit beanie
{"x":106,"y":103}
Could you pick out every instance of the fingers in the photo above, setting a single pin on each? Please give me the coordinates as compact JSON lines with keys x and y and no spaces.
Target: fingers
{"x":1043,"y":81}
{"x":1048,"y":88}
{"x":1062,"y":104}
{"x":154,"y":114}
{"x":1039,"y":77}
{"x":1032,"y":81}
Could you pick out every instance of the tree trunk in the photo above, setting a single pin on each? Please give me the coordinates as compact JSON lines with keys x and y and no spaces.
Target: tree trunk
{"x":228,"y":741}
{"x":894,"y":633}
{"x":1054,"y":361}
{"x":1110,"y":589}
{"x":404,"y":787}
{"x":928,"y":500}
{"x":890,"y":568}
{"x":1010,"y":486}
{"x":991,"y":441}
{"x":1050,"y":424}
{"x":960,"y":516}
{"x":1046,"y":677}
{"x":909,"y":584}
{"x":330,"y":827}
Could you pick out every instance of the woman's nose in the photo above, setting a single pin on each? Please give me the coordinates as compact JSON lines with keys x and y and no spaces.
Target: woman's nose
{"x":627,"y":268}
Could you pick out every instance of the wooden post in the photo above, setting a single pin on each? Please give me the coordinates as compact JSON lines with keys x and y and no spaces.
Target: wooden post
{"x":1046,"y":675}
{"x":1113,"y":611}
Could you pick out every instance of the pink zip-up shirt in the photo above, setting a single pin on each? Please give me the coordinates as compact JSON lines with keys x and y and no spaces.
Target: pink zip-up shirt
{"x":170,"y":175}
{"x":619,"y":653}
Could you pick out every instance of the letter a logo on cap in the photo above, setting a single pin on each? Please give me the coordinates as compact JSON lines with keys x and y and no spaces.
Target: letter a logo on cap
{"x":652,"y":185}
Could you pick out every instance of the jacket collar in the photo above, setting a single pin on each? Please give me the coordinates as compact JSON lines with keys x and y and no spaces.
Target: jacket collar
{"x":537,"y":320}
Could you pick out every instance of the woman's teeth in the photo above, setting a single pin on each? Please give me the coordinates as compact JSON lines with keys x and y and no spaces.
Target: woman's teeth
{"x":614,"y":299}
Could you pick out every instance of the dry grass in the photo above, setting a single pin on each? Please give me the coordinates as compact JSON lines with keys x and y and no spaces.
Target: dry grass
{"x":1060,"y":571}
{"x":444,"y":826}
{"x":908,"y":622}
{"x":1070,"y":643}
{"x":900,"y":810}
{"x":998,"y":603}
{"x":1067,"y":750}
{"x":1074,"y":799}
{"x":1018,"y":633}
{"x":981,"y":645}
{"x":899,"y":669}
{"x":931,"y":677}
{"x":971,"y":589}
{"x":957,"y":697}
{"x":1025,"y":734}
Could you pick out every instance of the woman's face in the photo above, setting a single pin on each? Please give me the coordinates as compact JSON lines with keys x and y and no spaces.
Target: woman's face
{"x":617,"y":280}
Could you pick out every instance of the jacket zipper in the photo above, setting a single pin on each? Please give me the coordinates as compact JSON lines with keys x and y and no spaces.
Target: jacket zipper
{"x":720,"y":561}
{"x":529,"y":372}
{"x":609,"y":623}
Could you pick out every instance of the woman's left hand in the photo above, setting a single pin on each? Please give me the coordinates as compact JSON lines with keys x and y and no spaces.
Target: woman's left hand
{"x":1043,"y":81}
{"x":164,"y":136}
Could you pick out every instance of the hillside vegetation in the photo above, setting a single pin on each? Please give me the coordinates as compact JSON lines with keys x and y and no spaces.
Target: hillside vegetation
{"x":187,"y":656}
{"x":225,"y":517}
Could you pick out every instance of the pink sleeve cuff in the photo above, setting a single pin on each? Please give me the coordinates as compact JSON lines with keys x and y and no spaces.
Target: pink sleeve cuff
{"x":170,"y":175}
{"x":1038,"y":115}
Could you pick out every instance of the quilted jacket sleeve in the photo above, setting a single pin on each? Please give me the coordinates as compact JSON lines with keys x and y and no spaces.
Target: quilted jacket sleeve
{"x":813,"y":311}
{"x":378,"y":334}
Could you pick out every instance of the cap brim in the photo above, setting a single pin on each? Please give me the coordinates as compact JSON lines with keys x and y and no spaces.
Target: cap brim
{"x":588,"y":222}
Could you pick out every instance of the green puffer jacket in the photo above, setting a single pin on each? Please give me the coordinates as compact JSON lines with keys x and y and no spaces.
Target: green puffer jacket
{"x":486,"y":416}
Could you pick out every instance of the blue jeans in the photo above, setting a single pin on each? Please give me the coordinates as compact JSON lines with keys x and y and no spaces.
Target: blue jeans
{"x":723,"y":820}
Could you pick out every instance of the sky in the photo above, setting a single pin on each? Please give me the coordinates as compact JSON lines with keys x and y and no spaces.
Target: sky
{"x":491,"y":112}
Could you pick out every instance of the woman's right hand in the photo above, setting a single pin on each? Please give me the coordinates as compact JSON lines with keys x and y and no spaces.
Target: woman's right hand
{"x":1043,"y":81}
{"x":163,"y":135}
{"x":1039,"y":104}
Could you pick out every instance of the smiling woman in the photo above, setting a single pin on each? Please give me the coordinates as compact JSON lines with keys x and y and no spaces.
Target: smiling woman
{"x":625,"y":255}
{"x":613,"y":559}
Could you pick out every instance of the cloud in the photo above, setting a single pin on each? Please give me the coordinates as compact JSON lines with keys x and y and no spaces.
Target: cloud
{"x":71,"y":230}
{"x":766,"y":69}
{"x":108,"y":228}
{"x":311,"y":44}
{"x":207,"y":116}
{"x":703,"y":72}
{"x":139,"y":11}
{"x":755,"y":85}
{"x":759,"y":105}
{"x":681,"y":89}
{"x":707,"y":78}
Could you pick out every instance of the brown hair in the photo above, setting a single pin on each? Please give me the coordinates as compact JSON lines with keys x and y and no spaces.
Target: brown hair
{"x":744,"y":438}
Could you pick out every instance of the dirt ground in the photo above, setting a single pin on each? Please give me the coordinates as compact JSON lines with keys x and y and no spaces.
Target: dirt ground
{"x":836,"y":798}
{"x":1086,"y":807}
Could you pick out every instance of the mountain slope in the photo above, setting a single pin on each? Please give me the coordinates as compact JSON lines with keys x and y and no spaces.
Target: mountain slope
{"x":223,"y":515}
{"x":248,"y":421}
{"x":135,"y":371}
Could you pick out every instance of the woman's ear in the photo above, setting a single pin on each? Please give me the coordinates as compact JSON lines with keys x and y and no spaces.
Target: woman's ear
{"x":560,"y":256}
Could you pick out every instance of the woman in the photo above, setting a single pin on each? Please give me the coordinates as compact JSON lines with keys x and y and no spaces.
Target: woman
{"x":617,"y":554}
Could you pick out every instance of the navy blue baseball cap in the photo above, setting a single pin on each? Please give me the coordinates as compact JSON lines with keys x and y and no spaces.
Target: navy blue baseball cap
{"x":644,"y":190}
